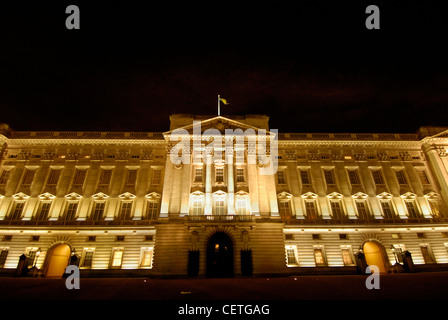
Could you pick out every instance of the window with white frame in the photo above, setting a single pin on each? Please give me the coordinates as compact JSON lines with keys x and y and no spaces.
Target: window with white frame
{"x":99,"y":206}
{"x":434,"y":204}
{"x":17,"y":209}
{"x":285,"y":208}
{"x":116,"y":258}
{"x":125,"y":210}
{"x":347,"y":256}
{"x":44,"y":207}
{"x":319,"y":256}
{"x":310,"y":204}
{"x":71,"y":206}
{"x":361,"y":204}
{"x":281,"y":179}
{"x":428,"y":256}
{"x":387,"y":205}
{"x":146,"y":255}
{"x":196,"y":203}
{"x":152,"y":206}
{"x":219,"y":174}
{"x":220,"y":208}
{"x":87,"y":258}
{"x":156,"y":177}
{"x":291,"y":256}
{"x":241,"y":205}
{"x":335,"y":200}
{"x":411,"y":205}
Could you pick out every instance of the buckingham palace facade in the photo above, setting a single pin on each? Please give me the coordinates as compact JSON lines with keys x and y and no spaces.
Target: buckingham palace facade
{"x":117,"y":204}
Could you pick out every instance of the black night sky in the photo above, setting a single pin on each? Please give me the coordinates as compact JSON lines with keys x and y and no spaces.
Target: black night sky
{"x":311,"y":66}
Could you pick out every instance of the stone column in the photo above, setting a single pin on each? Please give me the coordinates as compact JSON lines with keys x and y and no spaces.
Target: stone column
{"x":439,"y":170}
{"x":230,"y":182}
{"x":208,"y":181}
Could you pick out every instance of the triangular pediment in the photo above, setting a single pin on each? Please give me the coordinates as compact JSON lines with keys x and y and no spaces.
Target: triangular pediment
{"x":215,"y":126}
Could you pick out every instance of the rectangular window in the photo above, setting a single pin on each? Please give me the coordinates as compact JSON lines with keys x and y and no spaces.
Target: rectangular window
{"x":354,"y":177}
{"x":125,"y":211}
{"x":241,"y":206}
{"x":28,"y":177}
{"x":347,"y":256}
{"x":117,"y":258}
{"x":310,"y":207}
{"x":98,"y":210}
{"x":427,"y":253}
{"x":285,"y":209}
{"x":219,"y":174}
{"x":435,"y":208}
{"x":240,"y":175}
{"x":4,"y":176}
{"x":291,"y":256}
{"x":329,"y":177}
{"x":44,"y":209}
{"x":319,"y":257}
{"x":423,"y":176}
{"x":197,"y":207}
{"x":363,"y":211}
{"x":87,"y":258}
{"x":105,"y":177}
{"x":412,"y":210}
{"x":387,"y":209}
{"x":336,"y":209}
{"x":17,"y":211}
{"x":198,"y":175}
{"x":219,"y":207}
{"x":305,"y":177}
{"x":281,"y":177}
{"x":131,"y":177}
{"x":377,"y":177}
{"x":152,"y":210}
{"x":156,"y":177}
{"x":79,"y":178}
{"x":53,"y":177}
{"x":401,"y":177}
{"x":146,"y":258}
{"x":70,"y":213}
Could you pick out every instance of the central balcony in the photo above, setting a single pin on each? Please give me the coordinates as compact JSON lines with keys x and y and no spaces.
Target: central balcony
{"x":220,"y":218}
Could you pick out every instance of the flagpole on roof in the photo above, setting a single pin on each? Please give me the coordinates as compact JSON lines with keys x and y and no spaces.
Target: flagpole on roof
{"x":219,"y":107}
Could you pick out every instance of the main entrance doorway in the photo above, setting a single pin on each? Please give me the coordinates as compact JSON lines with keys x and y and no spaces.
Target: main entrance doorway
{"x":59,"y":258}
{"x":374,"y":255}
{"x":219,"y":256}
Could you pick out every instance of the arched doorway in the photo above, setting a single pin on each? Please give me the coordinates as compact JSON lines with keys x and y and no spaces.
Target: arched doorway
{"x":58,"y":260}
{"x":220,"y":256}
{"x":374,"y":255}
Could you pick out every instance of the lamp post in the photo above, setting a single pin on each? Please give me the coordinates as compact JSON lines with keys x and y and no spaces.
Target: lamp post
{"x":37,"y":257}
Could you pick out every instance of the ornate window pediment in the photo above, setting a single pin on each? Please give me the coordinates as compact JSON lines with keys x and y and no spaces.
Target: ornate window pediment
{"x":309,"y":196}
{"x":73,"y":196}
{"x":126,"y":196}
{"x":360,"y":196}
{"x":384,"y":195}
{"x":100,"y":196}
{"x":153,"y":196}
{"x":20,"y":196}
{"x":46,"y":196}
{"x":284,"y":195}
{"x":432,"y":195}
{"x":334,"y":196}
{"x":408,"y":196}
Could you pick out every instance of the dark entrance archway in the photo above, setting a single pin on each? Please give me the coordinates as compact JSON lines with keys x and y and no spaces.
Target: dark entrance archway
{"x":219,"y":256}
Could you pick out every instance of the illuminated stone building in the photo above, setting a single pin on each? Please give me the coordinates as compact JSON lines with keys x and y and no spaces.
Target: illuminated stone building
{"x":117,"y":204}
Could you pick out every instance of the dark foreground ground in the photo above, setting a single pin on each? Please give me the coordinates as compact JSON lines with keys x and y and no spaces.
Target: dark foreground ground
{"x":238,"y":298}
{"x":431,"y":285}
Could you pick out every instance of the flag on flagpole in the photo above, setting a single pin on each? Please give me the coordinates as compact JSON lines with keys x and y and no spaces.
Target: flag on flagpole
{"x":224,"y":101}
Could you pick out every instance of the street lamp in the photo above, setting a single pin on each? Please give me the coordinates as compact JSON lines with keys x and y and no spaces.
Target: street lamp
{"x":37,"y":256}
